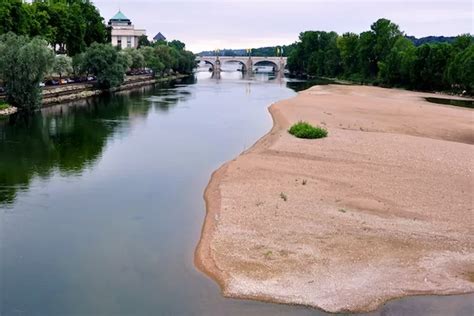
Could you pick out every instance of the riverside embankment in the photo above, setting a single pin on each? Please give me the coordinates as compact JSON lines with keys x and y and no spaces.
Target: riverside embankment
{"x":380,"y":209}
{"x":73,"y":92}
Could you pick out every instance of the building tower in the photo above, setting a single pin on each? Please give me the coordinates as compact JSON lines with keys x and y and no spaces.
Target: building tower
{"x":124,"y":33}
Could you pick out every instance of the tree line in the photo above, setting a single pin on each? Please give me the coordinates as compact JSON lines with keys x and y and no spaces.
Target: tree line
{"x":69,"y":26}
{"x":384,"y":56}
{"x":63,"y":44}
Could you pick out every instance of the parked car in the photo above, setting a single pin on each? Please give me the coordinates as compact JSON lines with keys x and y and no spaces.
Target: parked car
{"x":91,"y":78}
{"x":79,"y":79}
{"x":42,"y":84}
{"x":52,"y":82}
{"x":63,"y":81}
{"x":69,"y":80}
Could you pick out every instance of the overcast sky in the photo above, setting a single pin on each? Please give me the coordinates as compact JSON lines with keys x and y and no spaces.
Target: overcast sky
{"x":207,"y":25}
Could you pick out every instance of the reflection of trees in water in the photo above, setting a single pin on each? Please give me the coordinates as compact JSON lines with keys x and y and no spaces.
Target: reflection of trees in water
{"x":66,"y":138}
{"x":300,"y":85}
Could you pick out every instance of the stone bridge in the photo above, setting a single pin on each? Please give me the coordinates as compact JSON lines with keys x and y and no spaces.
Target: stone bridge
{"x":279,"y":63}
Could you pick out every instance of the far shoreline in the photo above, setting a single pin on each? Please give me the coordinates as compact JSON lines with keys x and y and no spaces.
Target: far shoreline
{"x":60,"y":97}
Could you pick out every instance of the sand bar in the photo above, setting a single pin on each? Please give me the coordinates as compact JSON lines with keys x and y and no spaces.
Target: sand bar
{"x":380,"y":209}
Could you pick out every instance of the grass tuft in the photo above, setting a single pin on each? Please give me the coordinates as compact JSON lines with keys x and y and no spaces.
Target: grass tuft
{"x":306,"y":130}
{"x":3,"y":105}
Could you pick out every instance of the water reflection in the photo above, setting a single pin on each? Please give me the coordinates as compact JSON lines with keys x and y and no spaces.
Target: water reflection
{"x":69,"y":138}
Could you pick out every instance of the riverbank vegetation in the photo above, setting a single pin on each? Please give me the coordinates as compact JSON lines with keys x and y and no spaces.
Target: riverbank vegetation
{"x":69,"y":38}
{"x":384,"y":56}
{"x":3,"y":105}
{"x":308,"y":131}
{"x":24,"y":63}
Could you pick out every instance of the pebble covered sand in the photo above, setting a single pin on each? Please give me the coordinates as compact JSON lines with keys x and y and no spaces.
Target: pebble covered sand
{"x":381,"y":208}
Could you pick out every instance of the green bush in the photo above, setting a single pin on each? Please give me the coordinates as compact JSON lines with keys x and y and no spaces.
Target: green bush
{"x":306,"y":130}
{"x":3,"y":105}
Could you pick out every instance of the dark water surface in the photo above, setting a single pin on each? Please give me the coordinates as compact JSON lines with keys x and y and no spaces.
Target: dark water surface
{"x":101,"y":202}
{"x":454,"y":102}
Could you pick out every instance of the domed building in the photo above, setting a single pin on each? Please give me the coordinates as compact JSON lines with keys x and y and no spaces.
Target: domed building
{"x":123,"y":32}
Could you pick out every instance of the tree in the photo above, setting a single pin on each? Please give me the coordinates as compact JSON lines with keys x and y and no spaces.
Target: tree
{"x":347,"y":45}
{"x":23,"y":65}
{"x":460,"y":72}
{"x":76,"y":24}
{"x":177,"y":45}
{"x":152,"y":60}
{"x":135,"y":58}
{"x":165,"y":56}
{"x":14,"y":17}
{"x":430,"y":66}
{"x":104,"y":61}
{"x":143,"y":41}
{"x":68,"y":25}
{"x":62,"y":65}
{"x":386,"y":34}
{"x":96,"y":31}
{"x":396,"y":68}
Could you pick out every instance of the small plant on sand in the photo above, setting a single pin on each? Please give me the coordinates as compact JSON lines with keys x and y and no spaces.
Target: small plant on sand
{"x":3,"y":105}
{"x":283,"y":196}
{"x":342,"y":210}
{"x":304,"y":182}
{"x":306,"y":130}
{"x":268,"y":254}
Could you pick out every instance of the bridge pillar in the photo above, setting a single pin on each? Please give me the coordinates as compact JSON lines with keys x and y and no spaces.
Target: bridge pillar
{"x":249,"y":65}
{"x":217,"y":66}
{"x":282,"y":65}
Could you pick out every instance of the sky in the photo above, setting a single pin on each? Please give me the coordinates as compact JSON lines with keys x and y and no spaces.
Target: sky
{"x":212,"y":24}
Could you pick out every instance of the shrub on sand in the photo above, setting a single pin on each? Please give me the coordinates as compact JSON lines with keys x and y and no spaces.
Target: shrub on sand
{"x":306,"y":130}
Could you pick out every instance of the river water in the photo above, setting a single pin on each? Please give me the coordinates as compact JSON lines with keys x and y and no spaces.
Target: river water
{"x":101,"y":201}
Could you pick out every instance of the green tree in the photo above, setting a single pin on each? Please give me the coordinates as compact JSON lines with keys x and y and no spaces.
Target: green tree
{"x":62,"y":65}
{"x":395,"y":69}
{"x":95,"y":30}
{"x":386,"y":34}
{"x":367,"y":59}
{"x":135,"y":58}
{"x":460,"y":72}
{"x":23,"y":65}
{"x":104,"y":61}
{"x":430,"y":66}
{"x":68,"y":25}
{"x":347,"y":45}
{"x":143,"y":41}
{"x":165,"y":56}
{"x":152,"y":60}
{"x":178,"y":45}
{"x":79,"y":64}
{"x":14,"y":17}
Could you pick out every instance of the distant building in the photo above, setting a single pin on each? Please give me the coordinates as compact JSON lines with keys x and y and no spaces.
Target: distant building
{"x":159,"y":37}
{"x":124,"y":33}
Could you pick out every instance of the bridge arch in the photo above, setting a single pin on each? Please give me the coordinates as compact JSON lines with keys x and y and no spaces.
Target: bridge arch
{"x":239,"y":61}
{"x":267,"y":62}
{"x":278,"y":63}
{"x":208,"y":62}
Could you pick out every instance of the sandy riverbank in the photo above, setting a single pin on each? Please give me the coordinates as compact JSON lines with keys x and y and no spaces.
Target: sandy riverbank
{"x":381,"y":208}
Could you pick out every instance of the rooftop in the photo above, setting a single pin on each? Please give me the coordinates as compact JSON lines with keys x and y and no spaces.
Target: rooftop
{"x":159,"y":37}
{"x":119,"y":17}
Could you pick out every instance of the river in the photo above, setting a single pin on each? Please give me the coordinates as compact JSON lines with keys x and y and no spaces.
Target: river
{"x":101,"y":201}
